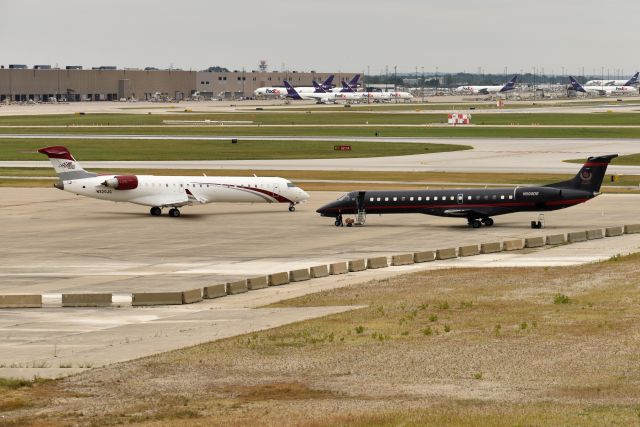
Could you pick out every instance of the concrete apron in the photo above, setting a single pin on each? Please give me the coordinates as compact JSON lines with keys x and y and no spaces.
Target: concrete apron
{"x":39,"y":341}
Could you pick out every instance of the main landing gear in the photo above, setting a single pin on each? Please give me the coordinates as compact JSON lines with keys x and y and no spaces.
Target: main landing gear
{"x":292,"y":207}
{"x":477,"y":223}
{"x":156,"y":211}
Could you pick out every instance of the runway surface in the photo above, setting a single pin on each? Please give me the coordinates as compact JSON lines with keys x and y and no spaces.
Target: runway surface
{"x":488,"y":155}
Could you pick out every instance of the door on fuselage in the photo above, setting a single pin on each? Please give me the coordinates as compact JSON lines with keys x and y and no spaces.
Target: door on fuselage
{"x":360,"y":200}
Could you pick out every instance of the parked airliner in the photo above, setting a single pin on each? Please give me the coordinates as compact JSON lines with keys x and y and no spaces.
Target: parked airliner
{"x":476,"y":205}
{"x":602,"y":90}
{"x":282,"y":91}
{"x":171,"y":192}
{"x":486,"y":90}
{"x":633,"y":81}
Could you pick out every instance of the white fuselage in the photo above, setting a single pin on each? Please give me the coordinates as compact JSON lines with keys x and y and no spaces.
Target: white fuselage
{"x":479,"y":89}
{"x":607,"y":83}
{"x":606,"y":90}
{"x":281,"y":91}
{"x":174,"y":191}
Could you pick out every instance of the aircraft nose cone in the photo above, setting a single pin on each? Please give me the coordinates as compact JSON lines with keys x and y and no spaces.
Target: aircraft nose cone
{"x":324,"y":210}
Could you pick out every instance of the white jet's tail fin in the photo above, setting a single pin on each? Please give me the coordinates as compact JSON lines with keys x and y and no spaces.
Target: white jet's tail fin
{"x":64,"y":164}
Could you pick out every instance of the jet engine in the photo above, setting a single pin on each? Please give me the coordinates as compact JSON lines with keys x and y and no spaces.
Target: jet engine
{"x":122,"y":182}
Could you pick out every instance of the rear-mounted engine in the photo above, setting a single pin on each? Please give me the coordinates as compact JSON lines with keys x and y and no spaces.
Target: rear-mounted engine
{"x":122,"y":182}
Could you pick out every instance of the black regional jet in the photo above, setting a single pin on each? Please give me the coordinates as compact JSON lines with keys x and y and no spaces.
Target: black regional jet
{"x":476,"y":205}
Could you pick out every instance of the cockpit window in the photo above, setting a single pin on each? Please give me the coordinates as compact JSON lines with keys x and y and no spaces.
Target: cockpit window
{"x":291,"y":185}
{"x":344,"y":197}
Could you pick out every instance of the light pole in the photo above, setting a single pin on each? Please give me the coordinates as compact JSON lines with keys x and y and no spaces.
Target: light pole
{"x":395,"y":80}
{"x":423,"y":84}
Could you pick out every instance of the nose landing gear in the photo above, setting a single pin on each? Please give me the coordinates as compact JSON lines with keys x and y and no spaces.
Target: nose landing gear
{"x":292,"y":207}
{"x":339,"y":222}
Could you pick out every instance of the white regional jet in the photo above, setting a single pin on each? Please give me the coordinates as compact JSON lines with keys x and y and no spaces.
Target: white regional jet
{"x":485,"y":90}
{"x":170,"y":191}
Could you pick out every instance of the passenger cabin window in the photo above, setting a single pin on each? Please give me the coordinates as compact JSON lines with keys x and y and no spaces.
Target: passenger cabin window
{"x":419,"y":198}
{"x":411,"y":199}
{"x":386,"y":199}
{"x":451,"y":198}
{"x":502,"y":197}
{"x":395,"y":199}
{"x":371,"y":199}
{"x":493,"y":197}
{"x":468,"y":197}
{"x":435,"y":198}
{"x":427,"y":198}
{"x":378,"y":199}
{"x":510,"y":196}
{"x":403,"y":198}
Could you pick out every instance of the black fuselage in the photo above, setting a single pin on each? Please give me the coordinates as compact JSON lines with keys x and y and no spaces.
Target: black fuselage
{"x":477,"y":205}
{"x":467,"y":203}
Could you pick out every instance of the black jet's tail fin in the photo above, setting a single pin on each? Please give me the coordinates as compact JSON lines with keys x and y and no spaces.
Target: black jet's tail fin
{"x":590,"y":176}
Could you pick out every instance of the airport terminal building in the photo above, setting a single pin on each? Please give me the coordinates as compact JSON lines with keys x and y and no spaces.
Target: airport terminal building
{"x":19,"y":83}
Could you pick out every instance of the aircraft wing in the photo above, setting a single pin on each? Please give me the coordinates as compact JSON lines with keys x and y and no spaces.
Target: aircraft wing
{"x":163,"y":200}
{"x":465,"y":212}
{"x":195,"y":199}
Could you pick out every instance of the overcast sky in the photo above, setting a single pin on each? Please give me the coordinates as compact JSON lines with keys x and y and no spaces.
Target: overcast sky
{"x":325,"y":35}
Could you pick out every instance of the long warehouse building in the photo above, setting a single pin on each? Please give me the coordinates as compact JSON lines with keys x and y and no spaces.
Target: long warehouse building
{"x":73,"y":84}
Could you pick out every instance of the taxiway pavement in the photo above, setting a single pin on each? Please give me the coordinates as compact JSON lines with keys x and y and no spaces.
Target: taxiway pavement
{"x":501,"y":155}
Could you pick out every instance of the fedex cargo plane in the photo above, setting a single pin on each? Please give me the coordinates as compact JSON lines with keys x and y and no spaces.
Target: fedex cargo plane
{"x":633,"y":81}
{"x":171,"y":192}
{"x":281,"y":92}
{"x":602,"y":90}
{"x":486,"y":90}
{"x":477,"y":206}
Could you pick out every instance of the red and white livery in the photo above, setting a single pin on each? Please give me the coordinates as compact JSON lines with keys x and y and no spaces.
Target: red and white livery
{"x":170,"y":192}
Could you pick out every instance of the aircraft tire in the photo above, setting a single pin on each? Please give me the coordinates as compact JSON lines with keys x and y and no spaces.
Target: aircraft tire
{"x":155,"y":211}
{"x":488,"y":222}
{"x":174,"y":212}
{"x":476,"y":224}
{"x":292,"y":208}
